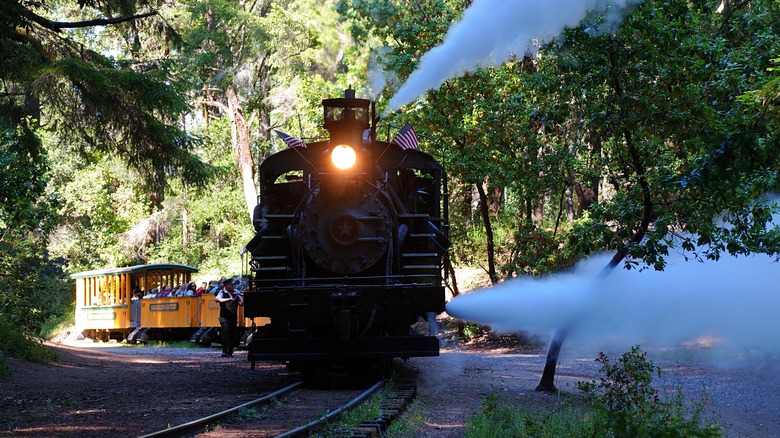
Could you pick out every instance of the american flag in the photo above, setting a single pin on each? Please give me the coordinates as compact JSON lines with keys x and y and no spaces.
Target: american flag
{"x":406,"y":138}
{"x":291,"y":141}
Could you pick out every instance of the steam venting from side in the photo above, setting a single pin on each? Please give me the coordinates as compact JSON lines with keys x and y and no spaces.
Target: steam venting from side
{"x":491,"y":32}
{"x":732,"y":304}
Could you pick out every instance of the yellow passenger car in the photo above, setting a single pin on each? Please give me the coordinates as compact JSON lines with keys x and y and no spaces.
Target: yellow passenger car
{"x":110,"y":304}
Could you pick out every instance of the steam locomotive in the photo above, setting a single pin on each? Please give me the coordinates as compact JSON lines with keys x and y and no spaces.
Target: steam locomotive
{"x":350,"y":244}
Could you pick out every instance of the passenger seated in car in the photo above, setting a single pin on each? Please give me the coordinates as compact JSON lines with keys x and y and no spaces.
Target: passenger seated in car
{"x":166,"y":292}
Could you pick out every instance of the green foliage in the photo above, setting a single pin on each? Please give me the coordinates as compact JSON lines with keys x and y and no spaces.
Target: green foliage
{"x":100,"y":200}
{"x":124,"y":112}
{"x":22,"y":171}
{"x":664,"y":123}
{"x":472,"y":330}
{"x":18,"y":344}
{"x":626,"y":405}
{"x":536,"y":252}
{"x":659,"y":98}
{"x":499,"y":418}
{"x":621,"y":404}
{"x":63,"y":319}
{"x":247,"y":414}
{"x":170,"y":344}
{"x":34,"y":290}
{"x":33,"y":296}
{"x":369,"y":410}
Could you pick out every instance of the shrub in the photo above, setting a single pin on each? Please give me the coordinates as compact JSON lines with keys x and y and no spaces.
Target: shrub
{"x":621,"y":403}
{"x":472,"y":330}
{"x":626,"y":405}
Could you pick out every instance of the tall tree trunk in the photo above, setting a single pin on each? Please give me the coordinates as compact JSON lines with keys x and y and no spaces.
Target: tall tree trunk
{"x":455,"y":292}
{"x":561,"y":204}
{"x":547,"y":382}
{"x":240,"y":139}
{"x":587,"y":191}
{"x":484,"y":209}
{"x":538,"y":217}
{"x":185,"y":232}
{"x":495,"y":199}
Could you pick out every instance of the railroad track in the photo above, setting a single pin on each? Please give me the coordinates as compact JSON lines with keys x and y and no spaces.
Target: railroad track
{"x":199,"y":424}
{"x":393,"y":398}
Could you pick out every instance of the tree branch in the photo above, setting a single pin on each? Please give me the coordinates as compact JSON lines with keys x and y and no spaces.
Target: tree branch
{"x":11,"y":94}
{"x":213,"y":103}
{"x":727,"y":13}
{"x":24,"y":35}
{"x":59,"y":25}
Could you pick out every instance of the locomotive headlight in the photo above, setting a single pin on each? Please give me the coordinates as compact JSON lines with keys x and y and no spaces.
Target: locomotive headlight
{"x":343,"y":156}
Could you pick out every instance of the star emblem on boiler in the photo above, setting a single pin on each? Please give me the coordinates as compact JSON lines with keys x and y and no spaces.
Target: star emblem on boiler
{"x":345,"y":230}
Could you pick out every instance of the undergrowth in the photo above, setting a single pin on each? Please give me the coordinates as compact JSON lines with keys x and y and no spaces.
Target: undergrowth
{"x":169,"y":344}
{"x":622,"y":403}
{"x":499,"y":419}
{"x":17,"y":344}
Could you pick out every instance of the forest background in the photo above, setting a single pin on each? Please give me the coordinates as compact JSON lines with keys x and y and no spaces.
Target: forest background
{"x":130,"y":132}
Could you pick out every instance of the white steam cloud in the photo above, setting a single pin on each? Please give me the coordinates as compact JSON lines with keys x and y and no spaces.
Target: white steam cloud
{"x":492,"y":32}
{"x":735,"y":302}
{"x":377,"y":78}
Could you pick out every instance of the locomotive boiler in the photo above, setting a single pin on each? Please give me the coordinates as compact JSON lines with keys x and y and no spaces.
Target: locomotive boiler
{"x":350,"y":244}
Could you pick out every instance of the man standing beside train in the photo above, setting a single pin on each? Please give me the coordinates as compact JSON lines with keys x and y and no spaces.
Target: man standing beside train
{"x":229,"y":301}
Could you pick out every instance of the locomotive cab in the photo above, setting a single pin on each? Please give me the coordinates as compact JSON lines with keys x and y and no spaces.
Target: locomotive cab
{"x":350,"y":246}
{"x":346,"y":120}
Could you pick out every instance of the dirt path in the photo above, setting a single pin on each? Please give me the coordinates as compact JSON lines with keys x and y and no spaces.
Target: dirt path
{"x":130,"y":391}
{"x":127,"y":391}
{"x":744,"y":396}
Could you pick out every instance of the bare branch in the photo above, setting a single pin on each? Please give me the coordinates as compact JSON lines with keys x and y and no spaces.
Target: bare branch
{"x":59,"y":25}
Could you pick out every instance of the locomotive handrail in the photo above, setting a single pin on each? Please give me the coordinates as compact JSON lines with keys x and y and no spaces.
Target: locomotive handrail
{"x":413,"y":215}
{"x":370,"y":239}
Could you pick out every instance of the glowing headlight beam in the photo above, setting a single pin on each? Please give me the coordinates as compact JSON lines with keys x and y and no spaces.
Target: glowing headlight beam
{"x":343,"y":157}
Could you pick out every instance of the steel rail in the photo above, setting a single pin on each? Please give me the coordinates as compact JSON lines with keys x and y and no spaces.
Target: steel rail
{"x":201,"y":422}
{"x":301,"y":430}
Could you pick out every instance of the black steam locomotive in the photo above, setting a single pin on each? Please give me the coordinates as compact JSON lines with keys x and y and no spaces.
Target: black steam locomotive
{"x":350,"y":247}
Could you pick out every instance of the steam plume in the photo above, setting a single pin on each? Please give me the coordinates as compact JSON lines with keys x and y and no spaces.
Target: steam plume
{"x":734,"y":301}
{"x":492,"y":32}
